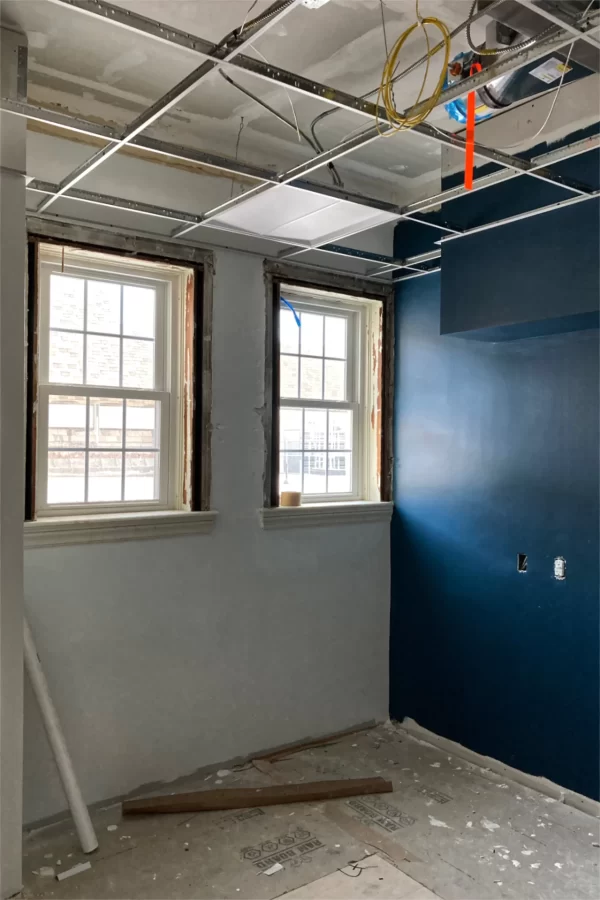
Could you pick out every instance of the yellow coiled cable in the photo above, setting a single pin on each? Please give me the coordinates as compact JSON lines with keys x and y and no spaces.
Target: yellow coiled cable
{"x":385,"y":97}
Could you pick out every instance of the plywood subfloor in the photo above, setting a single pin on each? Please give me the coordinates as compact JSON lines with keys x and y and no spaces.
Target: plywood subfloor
{"x":449,"y":830}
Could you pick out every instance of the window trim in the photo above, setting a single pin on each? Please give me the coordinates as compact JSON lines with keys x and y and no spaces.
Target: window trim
{"x":350,"y":513}
{"x":70,"y":531}
{"x":169,"y":377}
{"x":276,"y":274}
{"x":197,"y":322}
{"x":355,"y":391}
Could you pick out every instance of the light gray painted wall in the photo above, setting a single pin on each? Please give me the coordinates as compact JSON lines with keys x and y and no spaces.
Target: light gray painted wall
{"x":167,"y":655}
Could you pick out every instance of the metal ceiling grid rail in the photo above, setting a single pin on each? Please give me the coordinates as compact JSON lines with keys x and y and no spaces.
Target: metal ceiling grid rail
{"x":156,"y":29}
{"x":504,"y":65}
{"x":517,"y":166}
{"x":583,"y":34}
{"x":221,"y":54}
{"x":388,"y":263}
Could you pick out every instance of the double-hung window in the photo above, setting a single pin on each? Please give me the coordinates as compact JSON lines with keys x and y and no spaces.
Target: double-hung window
{"x":109,"y":396}
{"x":327,"y":451}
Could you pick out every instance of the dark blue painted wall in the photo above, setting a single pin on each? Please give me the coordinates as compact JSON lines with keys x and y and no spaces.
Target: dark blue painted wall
{"x":491,"y":285}
{"x":496,"y":453}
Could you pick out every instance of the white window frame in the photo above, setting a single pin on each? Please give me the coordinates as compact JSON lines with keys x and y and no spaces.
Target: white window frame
{"x":361,"y":319}
{"x":169,"y":283}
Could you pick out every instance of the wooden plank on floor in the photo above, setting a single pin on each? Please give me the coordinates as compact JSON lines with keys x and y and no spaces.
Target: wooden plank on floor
{"x":243,"y":798}
{"x":286,"y":752}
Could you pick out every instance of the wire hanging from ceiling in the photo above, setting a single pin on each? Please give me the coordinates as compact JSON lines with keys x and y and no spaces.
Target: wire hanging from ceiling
{"x":402,"y":121}
{"x":454,"y":33}
{"x":552,"y":105}
{"x":293,"y":125}
{"x":237,"y":148}
{"x":557,"y":90}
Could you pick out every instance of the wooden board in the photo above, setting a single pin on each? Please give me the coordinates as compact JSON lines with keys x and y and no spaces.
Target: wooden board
{"x":242,"y":798}
{"x":286,"y":752}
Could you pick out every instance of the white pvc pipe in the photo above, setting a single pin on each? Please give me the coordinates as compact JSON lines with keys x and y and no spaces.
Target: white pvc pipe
{"x":79,"y":811}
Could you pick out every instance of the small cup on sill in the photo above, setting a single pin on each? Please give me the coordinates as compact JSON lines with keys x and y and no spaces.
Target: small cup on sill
{"x":291,"y":498}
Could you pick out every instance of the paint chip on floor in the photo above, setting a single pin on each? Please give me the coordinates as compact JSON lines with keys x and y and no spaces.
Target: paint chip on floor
{"x":111,"y":827}
{"x":272,"y":871}
{"x":437,"y":823}
{"x":435,"y":765}
{"x":489,"y":826}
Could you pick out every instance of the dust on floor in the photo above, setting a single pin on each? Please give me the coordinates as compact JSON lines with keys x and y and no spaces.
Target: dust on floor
{"x":449,"y":830}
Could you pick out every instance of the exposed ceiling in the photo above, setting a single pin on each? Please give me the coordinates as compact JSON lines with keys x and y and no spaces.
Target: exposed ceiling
{"x":92,"y":68}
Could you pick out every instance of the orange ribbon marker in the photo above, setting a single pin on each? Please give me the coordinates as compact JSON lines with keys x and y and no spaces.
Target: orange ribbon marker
{"x":470,"y":135}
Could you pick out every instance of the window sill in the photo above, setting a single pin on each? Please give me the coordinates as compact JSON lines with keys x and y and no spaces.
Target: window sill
{"x":104,"y":529}
{"x":354,"y":513}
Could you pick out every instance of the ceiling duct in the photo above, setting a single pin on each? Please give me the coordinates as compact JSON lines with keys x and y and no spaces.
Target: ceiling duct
{"x":512,"y":25}
{"x":528,"y":23}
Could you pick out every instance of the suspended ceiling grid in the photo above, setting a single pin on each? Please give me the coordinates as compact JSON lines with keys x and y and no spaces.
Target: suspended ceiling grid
{"x":94,"y":69}
{"x":91,"y":68}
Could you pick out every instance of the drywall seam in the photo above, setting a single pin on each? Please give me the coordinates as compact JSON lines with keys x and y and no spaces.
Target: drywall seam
{"x":543,"y":785}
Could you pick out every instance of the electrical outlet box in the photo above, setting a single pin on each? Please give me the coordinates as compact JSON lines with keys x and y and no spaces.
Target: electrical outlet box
{"x":560,"y":568}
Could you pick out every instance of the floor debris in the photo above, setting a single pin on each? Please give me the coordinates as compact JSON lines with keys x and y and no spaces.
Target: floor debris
{"x":437,"y":823}
{"x":489,"y":826}
{"x":277,"y":867}
{"x":385,"y":844}
{"x":75,"y":870}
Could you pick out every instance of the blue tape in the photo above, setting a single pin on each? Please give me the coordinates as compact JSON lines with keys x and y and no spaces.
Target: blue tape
{"x":289,"y":306}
